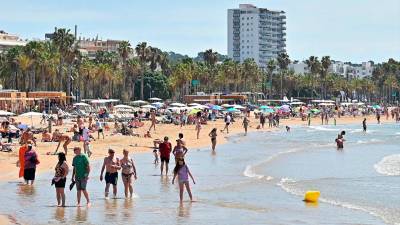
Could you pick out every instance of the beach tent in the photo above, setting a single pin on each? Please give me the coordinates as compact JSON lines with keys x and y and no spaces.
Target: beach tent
{"x":267,"y":110}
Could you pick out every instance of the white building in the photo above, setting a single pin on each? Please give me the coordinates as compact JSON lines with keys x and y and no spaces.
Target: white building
{"x":9,"y":40}
{"x":256,"y":33}
{"x":350,"y":70}
{"x":299,"y":68}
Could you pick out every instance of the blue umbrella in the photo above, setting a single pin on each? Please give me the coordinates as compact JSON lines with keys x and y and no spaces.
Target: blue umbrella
{"x":216,"y":107}
{"x":232,"y":110}
{"x":267,"y":110}
{"x":264,"y":107}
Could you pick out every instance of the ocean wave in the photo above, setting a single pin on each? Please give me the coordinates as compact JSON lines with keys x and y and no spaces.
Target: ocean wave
{"x":373,"y":140}
{"x":321,"y":128}
{"x":249,"y":172}
{"x":389,"y":165}
{"x":284,"y":183}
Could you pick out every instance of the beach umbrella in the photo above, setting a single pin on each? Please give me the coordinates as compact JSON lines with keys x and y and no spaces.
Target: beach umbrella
{"x":81,"y":104}
{"x":227,"y":106}
{"x":5,"y":113}
{"x":194,"y":104}
{"x":285,"y":108}
{"x":194,"y":111}
{"x":267,"y":110}
{"x":158,"y":104}
{"x":31,"y":115}
{"x":139,"y":102}
{"x":155,"y":99}
{"x":264,"y":107}
{"x":297,"y":103}
{"x":123,"y":107}
{"x":232,"y":110}
{"x":238,"y":107}
{"x":148,"y":107}
{"x":315,"y":111}
{"x":200,"y":107}
{"x":177,"y":104}
{"x":376,"y":107}
{"x":216,"y":107}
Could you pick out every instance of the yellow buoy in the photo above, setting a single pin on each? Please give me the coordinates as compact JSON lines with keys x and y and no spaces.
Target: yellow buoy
{"x":311,"y":196}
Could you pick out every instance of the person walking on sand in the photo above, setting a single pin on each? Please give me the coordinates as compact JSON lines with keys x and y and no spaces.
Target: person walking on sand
{"x":213,"y":135}
{"x":228,"y":119}
{"x":80,"y":174}
{"x":60,"y":178}
{"x":364,"y":124}
{"x":198,"y":126}
{"x":30,"y":162}
{"x":86,"y":141}
{"x":112,"y":165}
{"x":128,"y":170}
{"x":165,"y":152}
{"x":183,"y":173}
{"x":153,"y":120}
{"x":245,"y":124}
{"x":99,"y":128}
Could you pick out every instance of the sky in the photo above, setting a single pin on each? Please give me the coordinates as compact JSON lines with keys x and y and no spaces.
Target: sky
{"x":346,"y":30}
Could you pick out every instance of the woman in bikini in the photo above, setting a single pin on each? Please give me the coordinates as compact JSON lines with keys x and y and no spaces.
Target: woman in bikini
{"x":128,"y":169}
{"x":213,"y":136}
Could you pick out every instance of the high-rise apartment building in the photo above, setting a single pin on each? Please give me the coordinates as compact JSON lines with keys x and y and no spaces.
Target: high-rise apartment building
{"x":256,"y":33}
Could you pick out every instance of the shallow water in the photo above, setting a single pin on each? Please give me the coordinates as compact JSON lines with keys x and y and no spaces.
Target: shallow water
{"x":258,"y":179}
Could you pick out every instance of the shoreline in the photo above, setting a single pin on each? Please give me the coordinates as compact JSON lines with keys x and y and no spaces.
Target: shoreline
{"x":143,"y":145}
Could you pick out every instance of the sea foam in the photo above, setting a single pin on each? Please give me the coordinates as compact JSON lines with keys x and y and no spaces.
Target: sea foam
{"x":389,"y":165}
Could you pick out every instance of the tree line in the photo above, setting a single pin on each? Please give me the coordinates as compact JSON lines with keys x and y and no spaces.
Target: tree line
{"x":144,"y":71}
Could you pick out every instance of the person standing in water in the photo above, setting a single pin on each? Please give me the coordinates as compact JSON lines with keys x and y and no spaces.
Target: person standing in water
{"x":165,"y":152}
{"x":245,"y":124}
{"x":30,"y":162}
{"x":128,"y":170}
{"x":179,"y":150}
{"x":80,"y":174}
{"x":378,"y":117}
{"x":60,"y":178}
{"x":111,"y":164}
{"x":183,"y":173}
{"x":340,"y":140}
{"x":364,"y":124}
{"x":213,"y":135}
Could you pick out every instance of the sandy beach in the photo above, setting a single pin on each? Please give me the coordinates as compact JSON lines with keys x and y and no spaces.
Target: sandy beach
{"x":139,"y":144}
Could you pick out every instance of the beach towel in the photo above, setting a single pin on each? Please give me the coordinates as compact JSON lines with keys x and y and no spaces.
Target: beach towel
{"x":21,"y":156}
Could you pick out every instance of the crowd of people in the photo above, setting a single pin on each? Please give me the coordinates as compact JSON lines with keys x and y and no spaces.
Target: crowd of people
{"x":113,"y":167}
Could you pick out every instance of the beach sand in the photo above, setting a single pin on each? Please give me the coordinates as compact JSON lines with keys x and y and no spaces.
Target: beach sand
{"x":139,"y":144}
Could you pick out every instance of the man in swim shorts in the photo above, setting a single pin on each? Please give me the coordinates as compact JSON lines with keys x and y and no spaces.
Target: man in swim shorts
{"x":112,"y":165}
{"x":80,"y":174}
{"x":165,"y":151}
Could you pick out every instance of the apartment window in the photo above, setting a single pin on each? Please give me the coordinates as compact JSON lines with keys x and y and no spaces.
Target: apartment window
{"x":247,"y":18}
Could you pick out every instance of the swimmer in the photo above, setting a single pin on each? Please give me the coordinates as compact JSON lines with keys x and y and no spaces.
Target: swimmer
{"x":364,"y":124}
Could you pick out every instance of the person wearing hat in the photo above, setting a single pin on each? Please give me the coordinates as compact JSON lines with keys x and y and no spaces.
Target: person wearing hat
{"x":165,"y":151}
{"x":111,"y":164}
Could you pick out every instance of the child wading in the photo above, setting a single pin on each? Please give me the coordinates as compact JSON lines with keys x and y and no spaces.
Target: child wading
{"x":182,"y":171}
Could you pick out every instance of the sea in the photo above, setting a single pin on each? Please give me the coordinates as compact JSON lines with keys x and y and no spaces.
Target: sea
{"x":258,"y":178}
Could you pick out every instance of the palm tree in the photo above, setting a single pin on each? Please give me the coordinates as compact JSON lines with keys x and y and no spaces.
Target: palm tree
{"x":133,"y":70}
{"x":314,"y":68}
{"x":325,"y":64}
{"x":143,"y":53}
{"x":283,"y":62}
{"x":24,"y":63}
{"x":63,"y":40}
{"x":124,"y":49}
{"x":271,"y":66}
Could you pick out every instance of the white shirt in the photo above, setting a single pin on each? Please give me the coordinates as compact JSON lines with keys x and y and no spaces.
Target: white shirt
{"x":85,"y":134}
{"x":228,"y":118}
